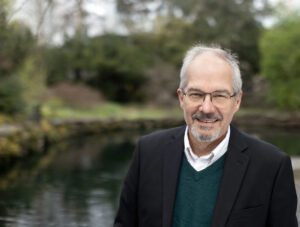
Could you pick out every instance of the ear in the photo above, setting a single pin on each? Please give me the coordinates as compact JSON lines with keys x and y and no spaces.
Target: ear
{"x":180,"y":97}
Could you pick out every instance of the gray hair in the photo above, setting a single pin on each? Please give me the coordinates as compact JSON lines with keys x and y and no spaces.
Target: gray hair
{"x":226,"y":55}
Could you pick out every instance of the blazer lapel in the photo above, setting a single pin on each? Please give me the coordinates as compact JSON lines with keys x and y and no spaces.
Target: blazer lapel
{"x":172,"y":157}
{"x":234,"y":170}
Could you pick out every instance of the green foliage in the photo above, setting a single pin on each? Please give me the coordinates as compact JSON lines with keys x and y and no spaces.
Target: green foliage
{"x":172,"y":37}
{"x":140,"y":65}
{"x":11,"y":95}
{"x":57,"y":65}
{"x":119,"y":68}
{"x":32,"y":75}
{"x":231,"y":23}
{"x":113,"y":64}
{"x":15,"y":43}
{"x":280,"y":62}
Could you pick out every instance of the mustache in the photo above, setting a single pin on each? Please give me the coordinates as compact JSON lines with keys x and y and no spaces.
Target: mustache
{"x":206,"y":116}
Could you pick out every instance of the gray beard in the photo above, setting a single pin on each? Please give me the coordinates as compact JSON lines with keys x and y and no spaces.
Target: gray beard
{"x":204,"y":138}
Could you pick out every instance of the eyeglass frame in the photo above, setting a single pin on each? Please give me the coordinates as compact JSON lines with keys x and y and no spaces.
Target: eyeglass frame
{"x":210,"y":95}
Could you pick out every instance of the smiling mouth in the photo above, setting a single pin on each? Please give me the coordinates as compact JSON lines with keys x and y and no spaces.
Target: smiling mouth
{"x":206,"y":118}
{"x":208,"y":121}
{"x":206,"y":125}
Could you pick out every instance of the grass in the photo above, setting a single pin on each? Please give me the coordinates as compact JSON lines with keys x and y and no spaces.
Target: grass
{"x":111,"y":111}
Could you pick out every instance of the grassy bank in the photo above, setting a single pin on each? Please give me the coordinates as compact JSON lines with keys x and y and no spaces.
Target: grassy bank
{"x":111,"y":111}
{"x":108,"y":111}
{"x":22,"y":137}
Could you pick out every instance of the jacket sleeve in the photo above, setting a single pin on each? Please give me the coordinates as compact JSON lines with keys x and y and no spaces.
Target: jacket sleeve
{"x":283,"y":205}
{"x":127,"y":212}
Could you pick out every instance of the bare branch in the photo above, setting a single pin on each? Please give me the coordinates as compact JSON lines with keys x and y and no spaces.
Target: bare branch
{"x":14,"y":12}
{"x":42,"y":18}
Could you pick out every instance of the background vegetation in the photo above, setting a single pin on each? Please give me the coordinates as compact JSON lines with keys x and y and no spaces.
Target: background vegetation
{"x":49,"y":68}
{"x":280,"y":62}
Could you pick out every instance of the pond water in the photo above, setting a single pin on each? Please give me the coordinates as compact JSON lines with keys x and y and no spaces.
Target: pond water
{"x":77,"y":184}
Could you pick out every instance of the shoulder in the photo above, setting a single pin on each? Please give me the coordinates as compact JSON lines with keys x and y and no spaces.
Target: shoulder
{"x":159,"y":141}
{"x":151,"y":147}
{"x":260,"y":150}
{"x":163,"y":135}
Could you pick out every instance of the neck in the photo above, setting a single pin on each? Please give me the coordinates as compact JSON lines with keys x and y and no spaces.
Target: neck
{"x":204,"y":148}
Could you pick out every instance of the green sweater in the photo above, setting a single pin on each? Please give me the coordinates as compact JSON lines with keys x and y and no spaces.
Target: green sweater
{"x":196,"y":194}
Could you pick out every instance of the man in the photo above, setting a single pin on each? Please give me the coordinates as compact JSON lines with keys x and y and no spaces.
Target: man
{"x":208,"y":173}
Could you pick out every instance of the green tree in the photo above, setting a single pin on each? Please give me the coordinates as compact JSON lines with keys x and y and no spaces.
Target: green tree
{"x":11,"y":100}
{"x":280,"y":62}
{"x":32,"y":75}
{"x":15,"y":42}
{"x":118,"y":66}
{"x":233,"y":24}
{"x":58,"y":64}
{"x":111,"y":63}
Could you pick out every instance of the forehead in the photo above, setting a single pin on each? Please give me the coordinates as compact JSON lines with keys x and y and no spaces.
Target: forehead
{"x":209,"y":72}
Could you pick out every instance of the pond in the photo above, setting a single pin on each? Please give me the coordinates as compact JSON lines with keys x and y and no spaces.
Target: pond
{"x":77,"y":184}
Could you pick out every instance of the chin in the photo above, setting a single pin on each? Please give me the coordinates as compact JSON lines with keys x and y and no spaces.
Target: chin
{"x":205,"y":136}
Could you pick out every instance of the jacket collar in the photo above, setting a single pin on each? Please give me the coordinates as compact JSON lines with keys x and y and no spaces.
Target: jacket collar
{"x":234,"y":170}
{"x":172,"y":156}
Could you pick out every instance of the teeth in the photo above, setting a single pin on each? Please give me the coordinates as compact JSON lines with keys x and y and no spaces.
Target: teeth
{"x":209,"y":121}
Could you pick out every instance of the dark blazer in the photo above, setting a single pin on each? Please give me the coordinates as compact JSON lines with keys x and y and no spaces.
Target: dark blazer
{"x":257,"y":188}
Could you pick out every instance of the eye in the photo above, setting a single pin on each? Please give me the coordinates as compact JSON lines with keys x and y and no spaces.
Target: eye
{"x":220,"y":96}
{"x":196,"y":95}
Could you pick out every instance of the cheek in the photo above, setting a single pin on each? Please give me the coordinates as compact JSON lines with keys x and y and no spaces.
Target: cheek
{"x":188,"y":112}
{"x":228,"y":116}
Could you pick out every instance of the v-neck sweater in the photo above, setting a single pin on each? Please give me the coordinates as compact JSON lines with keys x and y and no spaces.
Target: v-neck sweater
{"x":196,"y":194}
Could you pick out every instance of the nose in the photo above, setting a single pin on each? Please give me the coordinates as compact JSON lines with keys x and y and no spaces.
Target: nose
{"x":207,"y":105}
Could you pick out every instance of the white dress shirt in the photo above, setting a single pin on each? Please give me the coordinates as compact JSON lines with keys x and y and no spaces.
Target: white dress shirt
{"x":201,"y":162}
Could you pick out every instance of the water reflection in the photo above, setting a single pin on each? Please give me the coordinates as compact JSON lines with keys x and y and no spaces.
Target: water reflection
{"x":73,"y":185}
{"x":77,"y":184}
{"x":288,"y":139}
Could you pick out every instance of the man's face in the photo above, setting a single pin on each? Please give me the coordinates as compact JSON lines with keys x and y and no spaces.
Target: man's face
{"x":207,"y":121}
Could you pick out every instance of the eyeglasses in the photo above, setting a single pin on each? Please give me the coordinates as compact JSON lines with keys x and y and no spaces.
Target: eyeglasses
{"x":218,"y":98}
